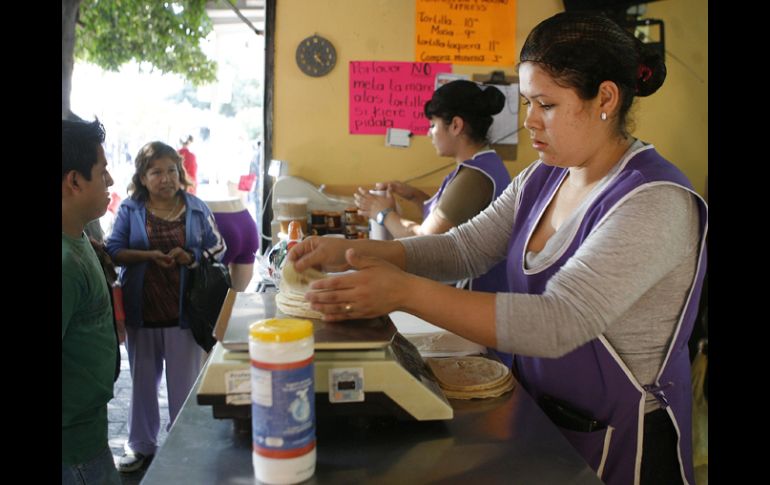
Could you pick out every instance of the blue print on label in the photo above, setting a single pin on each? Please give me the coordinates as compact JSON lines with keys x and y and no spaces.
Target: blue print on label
{"x":289,"y":422}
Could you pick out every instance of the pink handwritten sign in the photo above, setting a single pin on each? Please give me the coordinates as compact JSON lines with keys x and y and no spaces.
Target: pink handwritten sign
{"x":391,"y":95}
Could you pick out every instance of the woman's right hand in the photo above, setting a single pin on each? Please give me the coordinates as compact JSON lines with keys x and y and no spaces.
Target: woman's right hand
{"x":325,"y":253}
{"x":161,"y":259}
{"x":376,"y":288}
{"x":369,"y":205}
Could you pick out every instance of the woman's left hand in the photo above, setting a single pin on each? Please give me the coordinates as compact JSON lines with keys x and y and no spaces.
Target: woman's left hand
{"x":369,"y":205}
{"x":376,"y":289}
{"x":181,"y":256}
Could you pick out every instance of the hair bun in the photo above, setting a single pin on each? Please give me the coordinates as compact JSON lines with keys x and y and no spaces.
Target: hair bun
{"x":491,"y":101}
{"x":651,"y":72}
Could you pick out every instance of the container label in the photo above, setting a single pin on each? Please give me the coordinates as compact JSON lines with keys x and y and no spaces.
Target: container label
{"x":261,"y":387}
{"x":282,"y":409}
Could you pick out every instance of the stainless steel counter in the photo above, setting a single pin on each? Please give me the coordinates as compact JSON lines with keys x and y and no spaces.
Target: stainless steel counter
{"x":502,"y":440}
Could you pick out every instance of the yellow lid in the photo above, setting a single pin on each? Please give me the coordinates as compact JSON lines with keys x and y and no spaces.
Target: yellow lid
{"x":281,"y":329}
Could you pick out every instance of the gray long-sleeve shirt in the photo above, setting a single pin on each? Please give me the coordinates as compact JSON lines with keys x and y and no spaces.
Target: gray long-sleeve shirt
{"x":628,"y":280}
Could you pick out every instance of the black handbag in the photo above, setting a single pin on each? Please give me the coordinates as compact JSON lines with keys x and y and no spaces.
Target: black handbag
{"x":206,"y":290}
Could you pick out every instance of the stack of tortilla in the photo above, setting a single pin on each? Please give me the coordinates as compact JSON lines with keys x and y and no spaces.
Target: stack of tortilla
{"x":291,"y":291}
{"x":470,"y":377}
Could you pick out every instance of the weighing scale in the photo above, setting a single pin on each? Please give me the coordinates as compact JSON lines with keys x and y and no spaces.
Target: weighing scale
{"x":362,"y":367}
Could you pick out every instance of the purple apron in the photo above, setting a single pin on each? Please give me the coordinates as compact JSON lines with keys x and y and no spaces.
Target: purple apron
{"x":490,"y":164}
{"x":592,"y":378}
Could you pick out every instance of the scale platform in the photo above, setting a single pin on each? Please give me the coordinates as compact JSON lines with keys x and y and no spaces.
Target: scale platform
{"x":362,"y":367}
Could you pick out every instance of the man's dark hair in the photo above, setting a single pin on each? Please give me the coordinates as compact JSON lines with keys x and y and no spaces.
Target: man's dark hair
{"x":79,"y":140}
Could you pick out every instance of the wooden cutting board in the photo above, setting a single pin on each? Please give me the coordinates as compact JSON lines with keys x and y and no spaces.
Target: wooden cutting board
{"x":242,"y":309}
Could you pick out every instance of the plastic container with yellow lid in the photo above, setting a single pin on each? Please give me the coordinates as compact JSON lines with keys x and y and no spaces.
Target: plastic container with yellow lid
{"x":282,"y":400}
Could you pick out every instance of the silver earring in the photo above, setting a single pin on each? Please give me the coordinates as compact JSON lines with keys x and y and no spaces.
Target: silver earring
{"x":603,"y":116}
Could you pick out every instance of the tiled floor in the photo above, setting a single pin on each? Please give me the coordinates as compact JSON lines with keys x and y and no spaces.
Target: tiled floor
{"x":117,"y":414}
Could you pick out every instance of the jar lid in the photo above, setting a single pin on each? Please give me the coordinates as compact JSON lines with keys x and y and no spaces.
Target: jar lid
{"x":281,"y":329}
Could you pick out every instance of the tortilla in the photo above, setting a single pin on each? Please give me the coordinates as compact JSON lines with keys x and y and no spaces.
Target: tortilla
{"x":290,"y":304}
{"x":471,"y":377}
{"x":468,"y":372}
{"x":506,"y":386}
{"x":291,"y":291}
{"x":299,"y":281}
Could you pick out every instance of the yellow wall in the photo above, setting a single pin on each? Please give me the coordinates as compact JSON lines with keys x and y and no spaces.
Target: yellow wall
{"x":675,"y":119}
{"x":311,"y":114}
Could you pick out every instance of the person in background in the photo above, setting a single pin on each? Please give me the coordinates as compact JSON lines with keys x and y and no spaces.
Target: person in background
{"x":89,"y":346}
{"x":596,"y":313}
{"x":189,"y":163}
{"x":460,"y":114}
{"x":241,"y":237}
{"x":160,"y":231}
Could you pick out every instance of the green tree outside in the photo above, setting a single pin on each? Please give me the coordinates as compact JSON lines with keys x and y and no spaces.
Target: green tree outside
{"x":109,"y":33}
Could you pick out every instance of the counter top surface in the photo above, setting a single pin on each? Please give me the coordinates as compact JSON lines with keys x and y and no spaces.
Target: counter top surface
{"x":501,"y":440}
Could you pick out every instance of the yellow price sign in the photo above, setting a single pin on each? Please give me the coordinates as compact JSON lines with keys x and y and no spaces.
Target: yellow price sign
{"x":478,"y":32}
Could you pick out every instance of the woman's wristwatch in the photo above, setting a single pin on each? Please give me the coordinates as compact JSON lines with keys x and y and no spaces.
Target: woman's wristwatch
{"x":380,"y":219}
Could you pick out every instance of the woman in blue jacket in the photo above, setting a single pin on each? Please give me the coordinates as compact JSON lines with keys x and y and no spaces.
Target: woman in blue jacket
{"x":160,"y":231}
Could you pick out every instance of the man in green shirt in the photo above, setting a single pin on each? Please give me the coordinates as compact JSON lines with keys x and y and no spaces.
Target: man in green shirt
{"x":88,"y":344}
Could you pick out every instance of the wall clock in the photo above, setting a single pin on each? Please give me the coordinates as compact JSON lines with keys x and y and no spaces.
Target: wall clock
{"x":316,"y":56}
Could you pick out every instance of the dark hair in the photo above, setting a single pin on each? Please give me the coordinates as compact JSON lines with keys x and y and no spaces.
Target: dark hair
{"x":471,"y":102}
{"x":79,"y":141}
{"x":581,"y":50}
{"x":150,"y":152}
{"x":186,"y":140}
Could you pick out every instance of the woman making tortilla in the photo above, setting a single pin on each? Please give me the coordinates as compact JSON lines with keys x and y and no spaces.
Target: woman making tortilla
{"x":596,"y":314}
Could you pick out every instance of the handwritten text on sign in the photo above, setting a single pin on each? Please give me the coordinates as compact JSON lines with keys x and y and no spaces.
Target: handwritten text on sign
{"x":391,"y":95}
{"x":479,"y":32}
